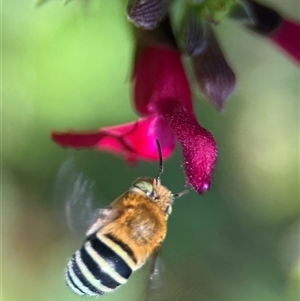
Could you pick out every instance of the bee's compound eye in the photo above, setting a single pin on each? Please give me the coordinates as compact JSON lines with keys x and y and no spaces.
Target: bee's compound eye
{"x":146,"y":187}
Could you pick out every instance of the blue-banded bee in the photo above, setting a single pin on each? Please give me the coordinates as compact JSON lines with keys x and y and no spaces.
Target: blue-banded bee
{"x":123,"y":237}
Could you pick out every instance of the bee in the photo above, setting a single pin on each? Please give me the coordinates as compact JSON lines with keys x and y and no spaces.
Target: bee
{"x":125,"y":234}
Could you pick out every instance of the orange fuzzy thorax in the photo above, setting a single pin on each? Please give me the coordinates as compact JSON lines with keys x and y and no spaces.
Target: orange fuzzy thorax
{"x":143,"y":222}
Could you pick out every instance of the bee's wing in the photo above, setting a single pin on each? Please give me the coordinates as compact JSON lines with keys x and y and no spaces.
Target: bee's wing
{"x":74,"y":190}
{"x":73,"y":196}
{"x":154,"y":281}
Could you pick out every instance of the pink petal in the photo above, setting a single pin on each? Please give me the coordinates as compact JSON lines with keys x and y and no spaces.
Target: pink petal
{"x":134,"y":140}
{"x":287,"y":36}
{"x":159,"y":75}
{"x":199,"y":150}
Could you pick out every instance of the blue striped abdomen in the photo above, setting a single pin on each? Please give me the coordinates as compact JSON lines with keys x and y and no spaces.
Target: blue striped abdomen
{"x":100,"y":266}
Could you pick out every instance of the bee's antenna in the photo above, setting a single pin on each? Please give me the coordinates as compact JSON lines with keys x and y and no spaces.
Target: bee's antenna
{"x":161,"y":164}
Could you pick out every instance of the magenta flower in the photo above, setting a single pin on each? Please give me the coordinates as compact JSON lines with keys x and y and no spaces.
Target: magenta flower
{"x":199,"y":149}
{"x":134,"y":140}
{"x":162,"y":94}
{"x":159,"y":76}
{"x":287,"y":36}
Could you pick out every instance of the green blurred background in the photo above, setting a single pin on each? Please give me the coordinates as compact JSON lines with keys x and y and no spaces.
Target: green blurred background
{"x":68,"y":67}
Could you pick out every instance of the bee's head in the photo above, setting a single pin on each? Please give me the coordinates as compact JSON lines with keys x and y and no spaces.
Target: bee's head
{"x":153,"y":190}
{"x":148,"y":186}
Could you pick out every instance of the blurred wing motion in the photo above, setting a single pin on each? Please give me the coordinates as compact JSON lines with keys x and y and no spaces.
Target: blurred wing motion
{"x":73,"y":195}
{"x":155,"y":280}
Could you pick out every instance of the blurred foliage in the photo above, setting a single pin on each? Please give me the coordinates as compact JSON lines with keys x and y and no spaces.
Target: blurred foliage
{"x":68,"y":67}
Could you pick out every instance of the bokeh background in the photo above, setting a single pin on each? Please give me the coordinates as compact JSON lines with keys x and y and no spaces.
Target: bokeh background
{"x":68,"y":67}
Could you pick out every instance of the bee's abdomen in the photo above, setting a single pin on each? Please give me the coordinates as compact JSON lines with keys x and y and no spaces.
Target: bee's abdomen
{"x":100,"y":266}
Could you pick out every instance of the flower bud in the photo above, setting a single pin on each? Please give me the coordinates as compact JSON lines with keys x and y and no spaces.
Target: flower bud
{"x":214,"y":75}
{"x":193,"y":34}
{"x":147,"y":13}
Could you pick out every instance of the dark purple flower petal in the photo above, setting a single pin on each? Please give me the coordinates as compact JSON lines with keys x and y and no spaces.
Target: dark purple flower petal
{"x":147,"y":13}
{"x":199,"y":149}
{"x":214,"y":76}
{"x":284,"y":33}
{"x":193,"y":34}
{"x":266,"y":20}
{"x":134,"y":140}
